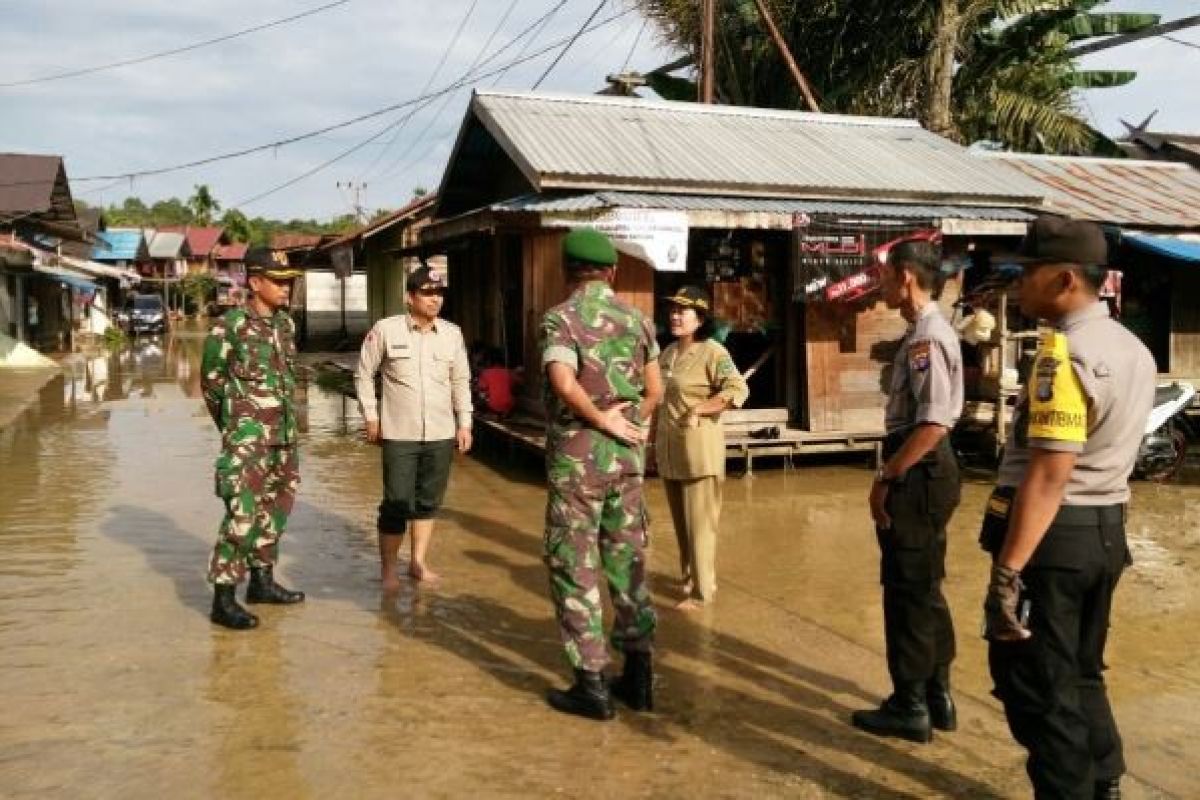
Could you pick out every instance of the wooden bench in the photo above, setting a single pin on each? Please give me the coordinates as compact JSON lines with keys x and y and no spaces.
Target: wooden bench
{"x":740,"y":424}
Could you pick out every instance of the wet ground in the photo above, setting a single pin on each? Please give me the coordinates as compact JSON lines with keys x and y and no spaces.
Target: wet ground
{"x":114,"y":683}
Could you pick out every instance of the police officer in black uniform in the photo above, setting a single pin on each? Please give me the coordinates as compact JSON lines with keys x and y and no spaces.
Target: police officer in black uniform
{"x":914,"y":494}
{"x":1055,"y":525}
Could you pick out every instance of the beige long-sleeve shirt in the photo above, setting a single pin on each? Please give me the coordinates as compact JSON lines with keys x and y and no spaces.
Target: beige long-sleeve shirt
{"x":426,"y":380}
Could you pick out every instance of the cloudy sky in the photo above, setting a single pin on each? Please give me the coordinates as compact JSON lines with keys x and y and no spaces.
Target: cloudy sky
{"x":349,"y":60}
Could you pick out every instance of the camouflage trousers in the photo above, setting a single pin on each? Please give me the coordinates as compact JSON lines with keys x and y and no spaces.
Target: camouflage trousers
{"x":258,"y":484}
{"x":598,"y":527}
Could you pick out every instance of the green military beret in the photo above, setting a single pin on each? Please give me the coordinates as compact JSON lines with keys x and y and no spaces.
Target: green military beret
{"x":589,"y":246}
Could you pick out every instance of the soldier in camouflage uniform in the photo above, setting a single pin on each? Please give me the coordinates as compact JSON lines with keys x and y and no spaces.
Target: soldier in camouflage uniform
{"x":602,"y":386}
{"x":248,"y":379}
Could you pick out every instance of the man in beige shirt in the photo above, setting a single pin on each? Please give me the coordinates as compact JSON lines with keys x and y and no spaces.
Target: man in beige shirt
{"x":424,"y":414}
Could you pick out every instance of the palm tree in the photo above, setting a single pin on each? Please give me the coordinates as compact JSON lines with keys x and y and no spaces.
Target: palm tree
{"x":203,"y":205}
{"x":968,"y":69}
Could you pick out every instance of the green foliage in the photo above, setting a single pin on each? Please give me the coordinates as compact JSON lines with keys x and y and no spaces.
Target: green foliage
{"x":237,"y":225}
{"x":133,"y":212}
{"x":199,"y":287}
{"x":203,"y":205}
{"x":1014,"y":80}
{"x":114,"y":337}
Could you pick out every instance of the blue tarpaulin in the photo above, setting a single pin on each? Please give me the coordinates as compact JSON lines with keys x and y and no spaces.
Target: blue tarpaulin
{"x":1168,"y":246}
{"x":118,"y":245}
{"x":69,"y":277}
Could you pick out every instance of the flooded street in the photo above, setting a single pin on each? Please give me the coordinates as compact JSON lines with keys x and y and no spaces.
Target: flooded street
{"x":115,"y":684}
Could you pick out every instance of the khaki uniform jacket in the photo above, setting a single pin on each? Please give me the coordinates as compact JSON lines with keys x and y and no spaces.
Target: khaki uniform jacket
{"x":426,"y":380}
{"x":690,"y":378}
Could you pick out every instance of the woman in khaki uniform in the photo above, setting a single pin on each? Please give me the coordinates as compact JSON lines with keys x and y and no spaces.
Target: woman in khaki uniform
{"x":701,"y":382}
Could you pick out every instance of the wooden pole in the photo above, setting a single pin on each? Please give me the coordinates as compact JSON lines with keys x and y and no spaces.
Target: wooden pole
{"x":708,"y":11}
{"x":786,"y":54}
{"x":1146,"y":33}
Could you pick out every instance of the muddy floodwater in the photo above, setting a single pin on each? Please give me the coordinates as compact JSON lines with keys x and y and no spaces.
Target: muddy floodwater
{"x":113,"y":683}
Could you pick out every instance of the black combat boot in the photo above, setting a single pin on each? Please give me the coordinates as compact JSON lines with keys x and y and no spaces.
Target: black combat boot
{"x":905,"y":715}
{"x":588,"y":697}
{"x":635,"y":687}
{"x":1107,"y":789}
{"x":226,"y":610}
{"x":264,"y":589}
{"x":942,"y":713}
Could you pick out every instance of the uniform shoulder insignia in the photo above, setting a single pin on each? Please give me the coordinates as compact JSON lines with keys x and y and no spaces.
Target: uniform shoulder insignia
{"x":1057,"y":404}
{"x":918,"y":355}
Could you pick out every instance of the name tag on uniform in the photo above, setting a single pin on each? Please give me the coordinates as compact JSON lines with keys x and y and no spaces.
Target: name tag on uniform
{"x":398,"y":350}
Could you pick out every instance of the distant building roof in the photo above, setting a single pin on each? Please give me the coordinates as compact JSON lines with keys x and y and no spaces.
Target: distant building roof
{"x":1151,"y":194}
{"x":1141,"y":142}
{"x":411,"y":209}
{"x":166,"y":244}
{"x":296,"y":241}
{"x":36,"y":186}
{"x":119,"y":244}
{"x":513,"y":143}
{"x":231,"y":252}
{"x":201,"y":239}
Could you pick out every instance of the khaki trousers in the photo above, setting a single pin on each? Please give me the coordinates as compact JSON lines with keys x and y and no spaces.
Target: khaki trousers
{"x":696,"y":510}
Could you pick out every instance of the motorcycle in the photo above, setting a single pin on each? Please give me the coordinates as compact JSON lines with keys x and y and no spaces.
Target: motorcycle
{"x":1164,"y":446}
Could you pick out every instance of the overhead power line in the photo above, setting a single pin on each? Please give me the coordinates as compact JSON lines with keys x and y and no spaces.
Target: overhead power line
{"x":636,"y":41}
{"x":1183,"y":42}
{"x":567,"y":46}
{"x":1126,"y":38}
{"x":75,"y":73}
{"x":346,"y":123}
{"x":463,"y":81}
{"x":437,"y":115}
{"x":541,"y":26}
{"x":429,"y":82}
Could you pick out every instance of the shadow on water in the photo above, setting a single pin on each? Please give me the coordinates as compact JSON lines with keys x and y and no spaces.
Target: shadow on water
{"x":775,"y":733}
{"x":782,"y":726}
{"x":169,"y":550}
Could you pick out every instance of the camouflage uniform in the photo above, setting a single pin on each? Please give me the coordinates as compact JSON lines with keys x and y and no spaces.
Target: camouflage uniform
{"x":595,"y":516}
{"x":248,"y":379}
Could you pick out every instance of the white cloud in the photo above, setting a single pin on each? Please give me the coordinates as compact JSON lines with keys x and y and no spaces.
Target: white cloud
{"x":339,"y":64}
{"x":263,"y":87}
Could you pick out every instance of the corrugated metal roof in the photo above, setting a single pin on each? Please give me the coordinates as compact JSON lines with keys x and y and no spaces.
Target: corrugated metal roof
{"x":231,"y":252}
{"x":1125,"y":192}
{"x":295,"y":241}
{"x":28,"y":182}
{"x":590,"y":142}
{"x":410,"y":209}
{"x":117,"y":244}
{"x":201,"y":239}
{"x":165,"y":244}
{"x":595,"y":201}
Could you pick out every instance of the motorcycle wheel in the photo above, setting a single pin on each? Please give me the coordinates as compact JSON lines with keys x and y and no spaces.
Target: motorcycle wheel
{"x":1171,"y":469}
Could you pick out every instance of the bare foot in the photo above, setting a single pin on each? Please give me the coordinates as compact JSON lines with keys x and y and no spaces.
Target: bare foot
{"x":689,"y":604}
{"x":423,"y":574}
{"x":391,"y":583}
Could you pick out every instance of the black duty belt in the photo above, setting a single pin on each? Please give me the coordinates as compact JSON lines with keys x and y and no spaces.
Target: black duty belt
{"x":1091,"y":515}
{"x":894,"y":441}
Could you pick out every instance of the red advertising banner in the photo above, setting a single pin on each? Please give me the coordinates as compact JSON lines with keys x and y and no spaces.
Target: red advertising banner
{"x":839,"y":260}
